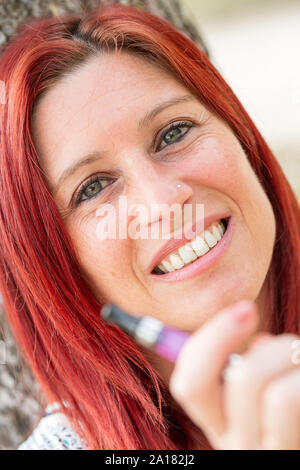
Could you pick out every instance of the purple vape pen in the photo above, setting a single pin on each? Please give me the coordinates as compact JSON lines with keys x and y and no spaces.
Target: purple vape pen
{"x":153,"y":334}
{"x":147,"y":331}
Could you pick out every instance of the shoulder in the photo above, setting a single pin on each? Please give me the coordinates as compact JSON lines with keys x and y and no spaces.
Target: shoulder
{"x":53,"y":432}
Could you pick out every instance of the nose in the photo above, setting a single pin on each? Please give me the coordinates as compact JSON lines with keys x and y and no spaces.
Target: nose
{"x":157,"y":189}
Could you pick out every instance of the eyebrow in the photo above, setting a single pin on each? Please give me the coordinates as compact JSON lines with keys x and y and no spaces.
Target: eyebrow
{"x":94,"y":156}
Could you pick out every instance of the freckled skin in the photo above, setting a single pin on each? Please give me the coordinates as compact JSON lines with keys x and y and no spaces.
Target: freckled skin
{"x":97,"y":108}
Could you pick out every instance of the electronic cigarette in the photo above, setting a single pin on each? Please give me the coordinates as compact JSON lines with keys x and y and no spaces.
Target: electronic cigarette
{"x":147,"y":331}
{"x":152,"y":333}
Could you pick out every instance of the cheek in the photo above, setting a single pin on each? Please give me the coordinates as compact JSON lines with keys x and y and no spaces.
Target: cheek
{"x":221,"y":165}
{"x":101,"y":259}
{"x":216,"y":164}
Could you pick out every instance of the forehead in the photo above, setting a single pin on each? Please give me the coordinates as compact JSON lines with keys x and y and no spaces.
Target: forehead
{"x":107,"y":80}
{"x":106,"y":89}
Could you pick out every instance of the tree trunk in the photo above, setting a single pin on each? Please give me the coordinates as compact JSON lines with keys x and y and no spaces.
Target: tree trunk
{"x":20,"y":405}
{"x":14,"y":11}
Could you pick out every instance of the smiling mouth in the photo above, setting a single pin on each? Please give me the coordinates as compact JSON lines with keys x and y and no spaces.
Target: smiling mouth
{"x":193,"y":250}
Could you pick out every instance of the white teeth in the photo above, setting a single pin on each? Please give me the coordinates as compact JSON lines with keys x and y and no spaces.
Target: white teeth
{"x":194,"y":249}
{"x":162,"y":268}
{"x":216,"y":232}
{"x":187,"y":253}
{"x":176,"y":261}
{"x":199,"y":245}
{"x":221,"y":228}
{"x":210,"y":239}
{"x":167,"y":266}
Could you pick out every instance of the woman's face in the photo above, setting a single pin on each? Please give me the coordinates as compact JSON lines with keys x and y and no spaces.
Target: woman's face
{"x":100,"y":108}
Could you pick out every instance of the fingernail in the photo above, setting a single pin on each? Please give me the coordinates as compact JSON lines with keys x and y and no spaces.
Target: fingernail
{"x":243,"y":310}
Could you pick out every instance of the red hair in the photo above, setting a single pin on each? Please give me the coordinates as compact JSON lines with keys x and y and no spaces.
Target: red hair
{"x":107,"y":389}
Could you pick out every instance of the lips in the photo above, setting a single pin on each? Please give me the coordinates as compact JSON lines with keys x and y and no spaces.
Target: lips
{"x":172,"y":244}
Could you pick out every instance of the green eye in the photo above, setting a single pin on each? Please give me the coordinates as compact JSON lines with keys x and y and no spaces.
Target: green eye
{"x":91,"y":188}
{"x":175,"y":135}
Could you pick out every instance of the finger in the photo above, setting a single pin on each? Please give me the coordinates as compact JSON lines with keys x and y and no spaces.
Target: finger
{"x":281,"y":413}
{"x":260,"y":338}
{"x":196,"y":379}
{"x":244,"y":387}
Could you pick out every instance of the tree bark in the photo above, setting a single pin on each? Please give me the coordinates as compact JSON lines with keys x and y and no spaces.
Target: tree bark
{"x":14,"y":11}
{"x":20,"y":395}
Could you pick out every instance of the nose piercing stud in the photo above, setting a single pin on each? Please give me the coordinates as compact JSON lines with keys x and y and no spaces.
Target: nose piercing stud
{"x":178,"y":185}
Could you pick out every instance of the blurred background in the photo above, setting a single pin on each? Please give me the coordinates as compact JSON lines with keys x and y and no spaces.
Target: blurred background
{"x":255,"y":45}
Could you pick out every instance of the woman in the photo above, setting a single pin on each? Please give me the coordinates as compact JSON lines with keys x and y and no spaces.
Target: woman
{"x":121,"y":104}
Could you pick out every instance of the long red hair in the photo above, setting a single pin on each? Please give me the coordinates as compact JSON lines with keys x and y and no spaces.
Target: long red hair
{"x":107,"y":389}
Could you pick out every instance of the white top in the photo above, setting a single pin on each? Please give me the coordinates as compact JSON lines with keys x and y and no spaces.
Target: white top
{"x":54,"y":432}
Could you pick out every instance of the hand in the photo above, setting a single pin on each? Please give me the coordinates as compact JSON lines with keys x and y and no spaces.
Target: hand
{"x":258,"y":405}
